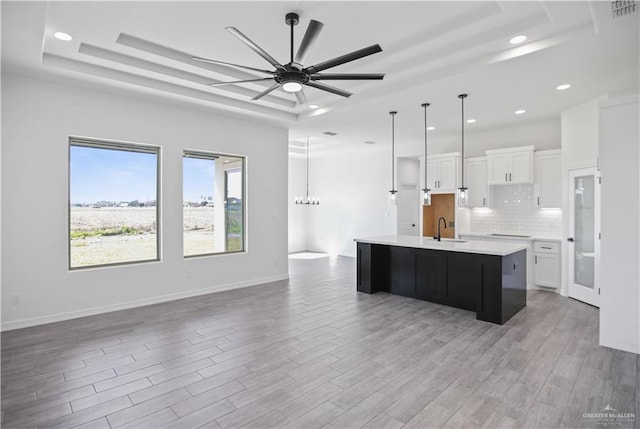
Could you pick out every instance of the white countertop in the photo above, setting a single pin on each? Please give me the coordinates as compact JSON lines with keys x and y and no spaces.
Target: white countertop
{"x":499,"y":248}
{"x":515,"y":236}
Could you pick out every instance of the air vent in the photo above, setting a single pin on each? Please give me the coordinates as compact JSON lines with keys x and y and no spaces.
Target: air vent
{"x":623,"y":7}
{"x":330,"y":133}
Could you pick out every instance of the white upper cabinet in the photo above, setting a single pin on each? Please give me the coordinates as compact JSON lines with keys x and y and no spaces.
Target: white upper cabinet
{"x":510,"y":166}
{"x":548,"y":170}
{"x":475,"y":178}
{"x":443,"y":172}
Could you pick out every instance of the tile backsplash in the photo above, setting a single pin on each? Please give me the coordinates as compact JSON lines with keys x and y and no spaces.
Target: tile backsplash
{"x":514,"y":210}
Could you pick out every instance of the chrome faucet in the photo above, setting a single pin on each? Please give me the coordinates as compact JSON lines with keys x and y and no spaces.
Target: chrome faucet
{"x":445,"y":226}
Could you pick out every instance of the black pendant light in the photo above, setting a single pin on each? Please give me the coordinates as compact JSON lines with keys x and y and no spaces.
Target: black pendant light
{"x":306,"y":200}
{"x":463,"y":194}
{"x":427,"y":192}
{"x":393,"y":191}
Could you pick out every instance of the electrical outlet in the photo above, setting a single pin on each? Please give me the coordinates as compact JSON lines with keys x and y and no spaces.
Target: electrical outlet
{"x":15,"y":299}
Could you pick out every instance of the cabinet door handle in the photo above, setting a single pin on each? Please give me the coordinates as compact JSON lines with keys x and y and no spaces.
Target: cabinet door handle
{"x":570,"y":240}
{"x":536,"y":259}
{"x":509,"y":177}
{"x":543,"y":247}
{"x":483,"y":201}
{"x":505,"y":177}
{"x":538,"y":200}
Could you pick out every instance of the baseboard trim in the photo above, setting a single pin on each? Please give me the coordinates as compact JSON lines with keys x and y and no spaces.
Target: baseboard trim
{"x":59,"y":317}
{"x":621,"y":345}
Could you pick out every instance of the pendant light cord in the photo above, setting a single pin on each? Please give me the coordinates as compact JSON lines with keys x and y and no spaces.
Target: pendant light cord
{"x":393,"y":153}
{"x":462,"y":97}
{"x":426,"y":185}
{"x":307,"y":166}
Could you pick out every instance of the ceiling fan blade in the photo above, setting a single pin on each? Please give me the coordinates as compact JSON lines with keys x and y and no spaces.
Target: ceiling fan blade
{"x":355,"y":55}
{"x":347,"y":76}
{"x":257,"y":49}
{"x":206,"y":60}
{"x":302,"y":98}
{"x":240,"y":81}
{"x":309,"y":39}
{"x":266,"y":91}
{"x":328,"y":88}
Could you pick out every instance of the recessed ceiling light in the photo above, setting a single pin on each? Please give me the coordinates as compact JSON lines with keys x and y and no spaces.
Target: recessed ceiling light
{"x":518,"y":39}
{"x":62,"y":36}
{"x":520,"y":112}
{"x":471,"y":121}
{"x":563,"y":87}
{"x":313,"y":106}
{"x":431,"y":128}
{"x":369,"y":142}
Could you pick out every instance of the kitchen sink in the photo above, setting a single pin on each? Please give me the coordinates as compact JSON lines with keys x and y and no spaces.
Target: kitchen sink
{"x":451,"y":240}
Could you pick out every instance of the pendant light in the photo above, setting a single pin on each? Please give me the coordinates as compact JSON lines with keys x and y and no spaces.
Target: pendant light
{"x":427,"y":192}
{"x":306,"y":200}
{"x":393,"y":191}
{"x":463,"y":194}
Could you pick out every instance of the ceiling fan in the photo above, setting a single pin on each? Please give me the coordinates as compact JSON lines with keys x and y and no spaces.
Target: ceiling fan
{"x":294,"y":75}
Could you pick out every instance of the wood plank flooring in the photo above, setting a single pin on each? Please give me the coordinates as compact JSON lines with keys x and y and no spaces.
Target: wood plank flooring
{"x":314,"y":353}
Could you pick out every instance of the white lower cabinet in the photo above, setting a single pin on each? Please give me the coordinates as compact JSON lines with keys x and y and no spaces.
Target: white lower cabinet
{"x":546,"y":272}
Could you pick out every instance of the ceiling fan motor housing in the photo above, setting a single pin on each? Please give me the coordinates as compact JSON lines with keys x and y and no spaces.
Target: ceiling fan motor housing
{"x":292,"y":18}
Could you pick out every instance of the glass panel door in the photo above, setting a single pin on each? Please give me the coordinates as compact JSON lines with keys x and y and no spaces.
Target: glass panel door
{"x":582,"y":237}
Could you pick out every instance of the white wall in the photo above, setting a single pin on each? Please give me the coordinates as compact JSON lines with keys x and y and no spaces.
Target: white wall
{"x":353,"y":186}
{"x":38,"y":117}
{"x":297,"y":213}
{"x":620,"y":248}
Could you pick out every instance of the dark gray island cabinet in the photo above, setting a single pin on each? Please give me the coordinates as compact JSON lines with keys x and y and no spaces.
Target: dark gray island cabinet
{"x":482,"y":276}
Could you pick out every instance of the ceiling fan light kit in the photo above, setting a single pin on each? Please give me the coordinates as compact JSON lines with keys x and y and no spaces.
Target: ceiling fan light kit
{"x":293,"y":76}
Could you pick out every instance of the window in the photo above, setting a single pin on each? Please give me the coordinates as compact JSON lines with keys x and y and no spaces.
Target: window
{"x":213,"y":203}
{"x":113,"y":203}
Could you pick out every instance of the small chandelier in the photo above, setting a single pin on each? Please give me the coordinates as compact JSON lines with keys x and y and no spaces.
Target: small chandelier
{"x":426,"y":191}
{"x":463,"y":194}
{"x":306,"y":200}
{"x":393,"y":191}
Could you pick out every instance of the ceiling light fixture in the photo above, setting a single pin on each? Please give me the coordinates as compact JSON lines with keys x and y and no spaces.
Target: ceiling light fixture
{"x":426,"y":191}
{"x":306,"y":200}
{"x":431,"y":128}
{"x":471,"y":121}
{"x":563,"y":87}
{"x":313,"y":106}
{"x":62,"y":36}
{"x":518,"y":39}
{"x":292,"y":86}
{"x":463,"y":195}
{"x":393,"y":191}
{"x":520,"y":112}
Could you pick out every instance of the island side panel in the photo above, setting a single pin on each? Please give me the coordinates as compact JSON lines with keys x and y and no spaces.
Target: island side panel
{"x":489,"y":294}
{"x":372,"y":264}
{"x":464,"y":279}
{"x":514,"y":283}
{"x":402,"y":270}
{"x":363,"y":267}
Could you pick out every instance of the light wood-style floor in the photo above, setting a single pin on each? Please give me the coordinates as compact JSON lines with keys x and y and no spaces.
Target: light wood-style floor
{"x":314,"y":353}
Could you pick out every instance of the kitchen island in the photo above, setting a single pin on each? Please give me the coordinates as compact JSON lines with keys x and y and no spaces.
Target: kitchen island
{"x":483,"y":276}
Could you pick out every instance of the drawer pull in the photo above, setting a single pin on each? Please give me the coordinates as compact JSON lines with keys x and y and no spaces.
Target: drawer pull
{"x":545,"y":247}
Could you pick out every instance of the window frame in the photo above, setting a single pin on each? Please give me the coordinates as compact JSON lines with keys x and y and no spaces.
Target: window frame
{"x":121,"y":146}
{"x":203,"y":154}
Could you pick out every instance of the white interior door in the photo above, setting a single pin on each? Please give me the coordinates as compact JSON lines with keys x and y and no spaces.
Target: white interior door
{"x":408,"y":210}
{"x":583,"y":235}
